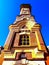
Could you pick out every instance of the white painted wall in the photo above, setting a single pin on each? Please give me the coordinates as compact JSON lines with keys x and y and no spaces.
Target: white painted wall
{"x":8,"y":62}
{"x":36,"y":63}
{"x":29,"y":62}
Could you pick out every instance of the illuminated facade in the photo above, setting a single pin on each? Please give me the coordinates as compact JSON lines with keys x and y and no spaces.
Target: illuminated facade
{"x":24,"y":44}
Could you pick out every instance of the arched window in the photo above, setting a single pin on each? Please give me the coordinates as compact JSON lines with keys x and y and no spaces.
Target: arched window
{"x":24,"y":39}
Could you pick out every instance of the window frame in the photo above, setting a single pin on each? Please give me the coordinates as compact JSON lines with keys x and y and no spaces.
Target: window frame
{"x":25,"y":40}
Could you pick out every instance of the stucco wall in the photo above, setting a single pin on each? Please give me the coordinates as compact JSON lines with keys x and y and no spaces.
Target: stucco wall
{"x":28,"y":62}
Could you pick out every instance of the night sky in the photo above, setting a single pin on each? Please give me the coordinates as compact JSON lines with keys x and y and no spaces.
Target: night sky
{"x":9,"y":9}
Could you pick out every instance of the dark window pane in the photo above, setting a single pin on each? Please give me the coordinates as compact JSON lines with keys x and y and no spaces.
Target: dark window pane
{"x":24,"y":40}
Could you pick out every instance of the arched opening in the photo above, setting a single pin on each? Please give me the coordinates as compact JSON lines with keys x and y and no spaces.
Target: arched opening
{"x":22,"y":55}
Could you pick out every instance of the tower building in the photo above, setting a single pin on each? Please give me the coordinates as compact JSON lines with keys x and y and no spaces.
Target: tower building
{"x":24,"y":44}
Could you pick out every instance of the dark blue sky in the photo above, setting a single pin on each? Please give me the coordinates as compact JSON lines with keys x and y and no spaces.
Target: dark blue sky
{"x":9,"y":9}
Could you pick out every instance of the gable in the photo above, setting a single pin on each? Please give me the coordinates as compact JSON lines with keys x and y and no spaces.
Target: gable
{"x":25,"y":24}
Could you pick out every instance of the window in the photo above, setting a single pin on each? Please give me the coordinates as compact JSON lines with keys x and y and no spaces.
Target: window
{"x":24,"y":40}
